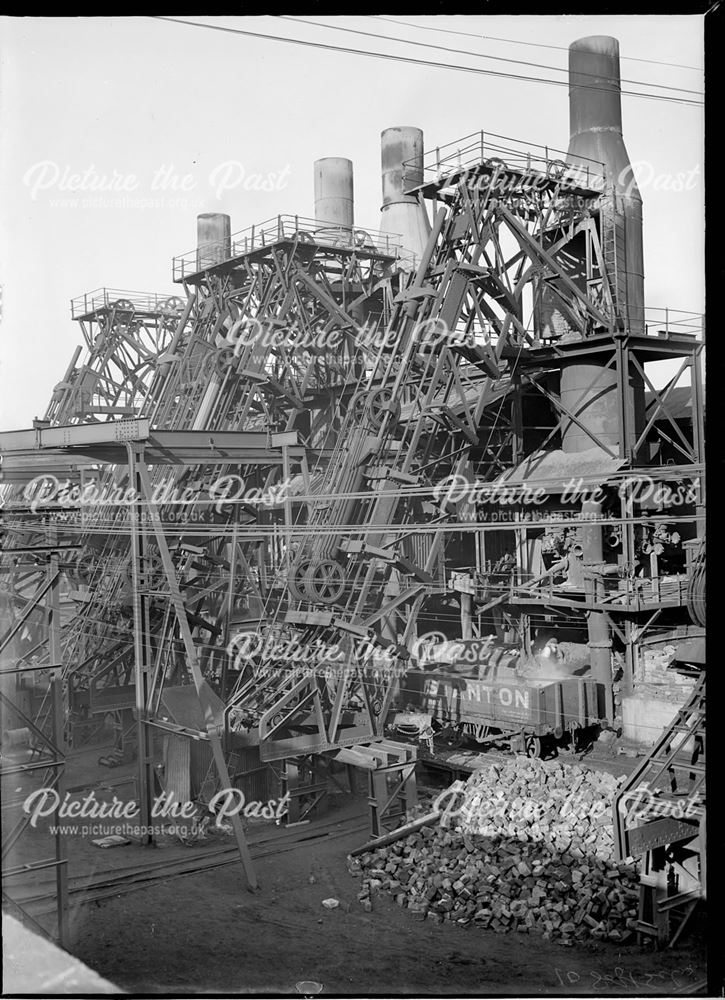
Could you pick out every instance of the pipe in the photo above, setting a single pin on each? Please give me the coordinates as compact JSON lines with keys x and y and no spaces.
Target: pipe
{"x":589,"y":392}
{"x":334,"y":194}
{"x":402,"y":214}
{"x":595,"y":132}
{"x":600,"y":649}
{"x":592,"y":533}
{"x":213,"y":239}
{"x":213,"y":245}
{"x":589,"y":389}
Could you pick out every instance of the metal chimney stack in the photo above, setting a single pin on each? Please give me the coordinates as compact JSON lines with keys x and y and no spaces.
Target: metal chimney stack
{"x":213,"y":245}
{"x":213,"y":239}
{"x":595,"y":132}
{"x":334,"y":197}
{"x":403,"y":214}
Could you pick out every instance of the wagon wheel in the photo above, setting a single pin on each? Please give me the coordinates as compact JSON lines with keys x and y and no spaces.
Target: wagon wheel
{"x":451,"y":737}
{"x":480,"y":732}
{"x":325,"y":582}
{"x":534,"y":747}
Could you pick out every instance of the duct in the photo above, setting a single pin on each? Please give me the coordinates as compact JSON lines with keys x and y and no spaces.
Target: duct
{"x":213,"y":239}
{"x":589,"y":392}
{"x":334,"y":199}
{"x":595,"y":132}
{"x":403,"y":215}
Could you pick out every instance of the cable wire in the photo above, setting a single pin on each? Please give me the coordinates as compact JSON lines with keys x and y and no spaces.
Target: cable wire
{"x":517,"y":41}
{"x":480,"y":55}
{"x":410,"y":60}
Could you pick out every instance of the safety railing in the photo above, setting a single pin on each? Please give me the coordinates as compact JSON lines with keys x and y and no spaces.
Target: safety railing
{"x":540,"y":163}
{"x":109,"y":298}
{"x":665,"y":321}
{"x":285,"y":228}
{"x":637,"y":592}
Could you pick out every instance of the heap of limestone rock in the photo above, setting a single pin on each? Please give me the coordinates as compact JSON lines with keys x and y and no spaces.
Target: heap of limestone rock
{"x":522,"y":846}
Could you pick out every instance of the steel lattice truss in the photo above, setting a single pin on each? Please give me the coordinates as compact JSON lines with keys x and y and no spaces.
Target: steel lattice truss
{"x":360,"y":569}
{"x":204,"y":378}
{"x":420,"y":383}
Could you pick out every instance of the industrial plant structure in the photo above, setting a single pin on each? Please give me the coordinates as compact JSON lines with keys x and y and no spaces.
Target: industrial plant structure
{"x":349,"y":487}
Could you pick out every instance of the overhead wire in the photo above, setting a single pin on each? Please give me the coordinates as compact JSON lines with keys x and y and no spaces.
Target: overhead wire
{"x":519,"y":41}
{"x":411,"y":60}
{"x":480,"y":55}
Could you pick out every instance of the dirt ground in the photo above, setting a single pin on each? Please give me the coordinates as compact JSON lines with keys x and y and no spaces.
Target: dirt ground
{"x":205,"y":933}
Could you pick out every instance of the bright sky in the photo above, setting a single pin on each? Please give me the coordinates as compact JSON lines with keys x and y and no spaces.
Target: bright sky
{"x":171,"y":114}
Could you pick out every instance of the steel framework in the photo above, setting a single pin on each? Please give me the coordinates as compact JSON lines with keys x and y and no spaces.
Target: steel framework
{"x":306,"y":363}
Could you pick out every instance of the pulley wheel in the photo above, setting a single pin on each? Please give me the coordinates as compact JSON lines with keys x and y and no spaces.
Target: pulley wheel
{"x":379,"y":403}
{"x":325,"y":582}
{"x":296,"y":578}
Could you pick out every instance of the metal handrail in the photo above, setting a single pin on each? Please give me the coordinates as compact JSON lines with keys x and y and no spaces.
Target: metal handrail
{"x":663,"y":320}
{"x":106,"y":298}
{"x":514,"y":154}
{"x":284,"y":228}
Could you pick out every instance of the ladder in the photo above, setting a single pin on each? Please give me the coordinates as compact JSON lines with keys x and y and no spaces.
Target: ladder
{"x":614,"y":254}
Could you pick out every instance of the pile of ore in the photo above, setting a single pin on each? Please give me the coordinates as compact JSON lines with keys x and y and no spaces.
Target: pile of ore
{"x":525,"y":846}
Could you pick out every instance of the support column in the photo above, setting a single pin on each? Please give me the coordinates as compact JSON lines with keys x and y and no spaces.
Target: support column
{"x":58,"y":729}
{"x":141,"y":640}
{"x":600,"y":640}
{"x":214,"y":726}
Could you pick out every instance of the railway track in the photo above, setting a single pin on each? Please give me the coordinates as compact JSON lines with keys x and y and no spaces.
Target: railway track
{"x":83,"y":889}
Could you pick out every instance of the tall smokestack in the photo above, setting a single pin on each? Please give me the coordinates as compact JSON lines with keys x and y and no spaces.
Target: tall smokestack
{"x":403,"y":214}
{"x":213,"y":245}
{"x":595,"y":132}
{"x":334,"y":199}
{"x":213,"y":239}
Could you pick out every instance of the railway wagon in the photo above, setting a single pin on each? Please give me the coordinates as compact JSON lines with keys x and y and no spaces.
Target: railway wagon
{"x":535,"y":713}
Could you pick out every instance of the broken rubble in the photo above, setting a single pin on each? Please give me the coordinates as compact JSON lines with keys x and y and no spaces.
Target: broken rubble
{"x":537,"y":858}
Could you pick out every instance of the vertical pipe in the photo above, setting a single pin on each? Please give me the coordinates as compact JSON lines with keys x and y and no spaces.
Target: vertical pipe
{"x":599,"y":638}
{"x":403,"y":214}
{"x":334,"y":192}
{"x":595,"y":130}
{"x":213,"y":239}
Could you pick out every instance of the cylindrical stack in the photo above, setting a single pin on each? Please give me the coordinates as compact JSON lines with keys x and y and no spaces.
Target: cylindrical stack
{"x":334,"y":196}
{"x":589,"y":392}
{"x":213,"y":239}
{"x":403,"y":214}
{"x":213,"y":245}
{"x":595,"y":130}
